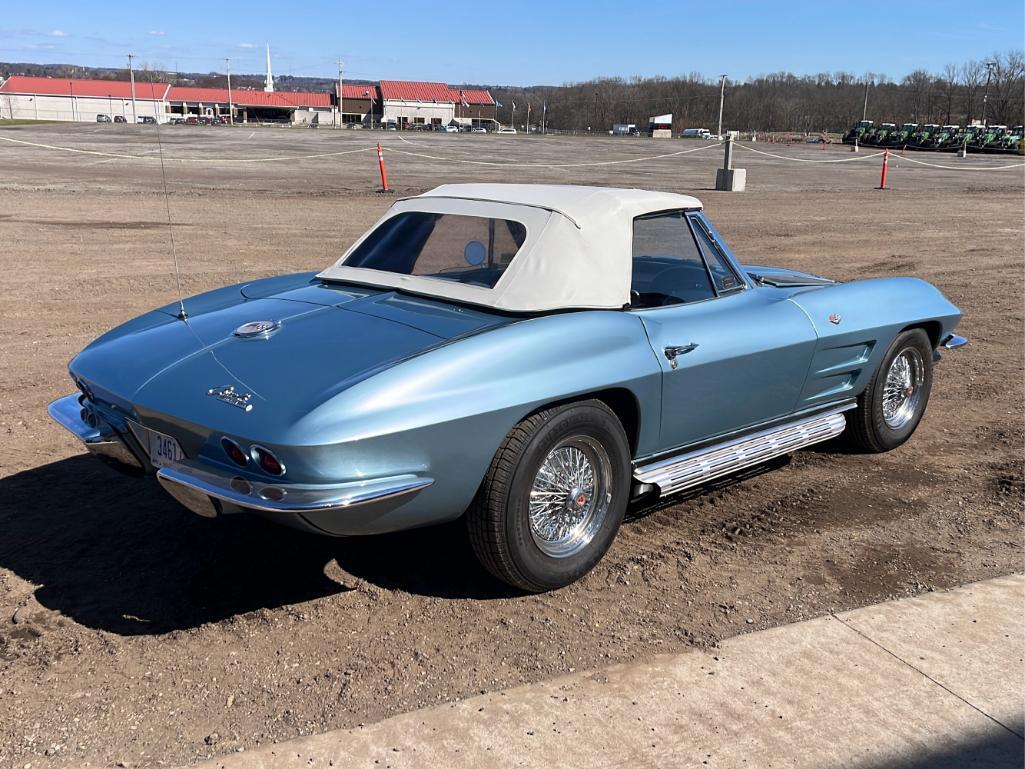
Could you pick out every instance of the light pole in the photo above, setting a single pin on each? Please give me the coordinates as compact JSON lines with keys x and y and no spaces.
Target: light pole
{"x":231,"y":109}
{"x":864,"y":111}
{"x":341,"y":97}
{"x":985,"y":97}
{"x":722,"y":94}
{"x":131,"y":76}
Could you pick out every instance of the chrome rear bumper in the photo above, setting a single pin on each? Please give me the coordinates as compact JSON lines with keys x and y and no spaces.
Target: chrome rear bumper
{"x":196,"y":488}
{"x":98,"y":437}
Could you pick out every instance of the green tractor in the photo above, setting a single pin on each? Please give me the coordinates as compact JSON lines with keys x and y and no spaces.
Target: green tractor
{"x":857,"y":133}
{"x":970,"y":137}
{"x":1013,"y":141}
{"x":945,"y":138}
{"x":902,"y":137}
{"x":990,"y":138}
{"x":882,"y":134}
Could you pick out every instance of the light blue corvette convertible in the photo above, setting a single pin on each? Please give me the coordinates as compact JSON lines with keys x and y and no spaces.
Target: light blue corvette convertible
{"x":531,"y":358}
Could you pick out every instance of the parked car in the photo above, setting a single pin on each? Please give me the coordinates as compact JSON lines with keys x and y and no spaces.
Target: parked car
{"x":120,"y":119}
{"x":103,"y":119}
{"x":452,"y":129}
{"x":528,"y":357}
{"x":478,"y":130}
{"x":177,"y":121}
{"x":506,"y":130}
{"x":146,"y":120}
{"x":192,"y":120}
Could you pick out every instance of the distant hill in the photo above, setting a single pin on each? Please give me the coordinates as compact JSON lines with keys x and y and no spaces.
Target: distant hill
{"x":201,"y":79}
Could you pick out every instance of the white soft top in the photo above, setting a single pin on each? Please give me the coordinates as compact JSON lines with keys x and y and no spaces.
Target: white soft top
{"x":577,"y":253}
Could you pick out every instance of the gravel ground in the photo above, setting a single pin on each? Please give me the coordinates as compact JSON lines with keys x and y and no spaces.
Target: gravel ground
{"x":132,"y":631}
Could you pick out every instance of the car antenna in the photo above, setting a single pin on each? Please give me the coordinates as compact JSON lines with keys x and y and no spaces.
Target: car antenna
{"x":182,"y":315}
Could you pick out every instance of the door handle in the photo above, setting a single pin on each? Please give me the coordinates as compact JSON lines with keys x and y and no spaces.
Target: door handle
{"x":672,"y":351}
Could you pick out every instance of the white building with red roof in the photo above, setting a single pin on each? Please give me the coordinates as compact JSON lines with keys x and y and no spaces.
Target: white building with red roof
{"x":398,"y":103}
{"x":406,"y":104}
{"x":71,"y":99}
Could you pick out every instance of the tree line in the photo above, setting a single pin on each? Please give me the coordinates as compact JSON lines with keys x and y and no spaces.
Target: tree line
{"x":992,"y":89}
{"x":783,"y":101}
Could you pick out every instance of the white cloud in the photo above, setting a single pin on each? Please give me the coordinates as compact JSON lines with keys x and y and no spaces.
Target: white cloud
{"x":58,"y":33}
{"x":156,"y":33}
{"x":247,"y":45}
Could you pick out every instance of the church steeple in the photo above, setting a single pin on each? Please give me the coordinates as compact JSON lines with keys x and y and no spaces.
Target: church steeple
{"x":268,"y":85}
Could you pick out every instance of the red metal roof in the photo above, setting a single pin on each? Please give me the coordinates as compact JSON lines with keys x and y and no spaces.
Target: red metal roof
{"x":402,"y":90}
{"x":471,"y":96}
{"x":248,"y":98}
{"x":356,"y":91}
{"x":61,"y":86}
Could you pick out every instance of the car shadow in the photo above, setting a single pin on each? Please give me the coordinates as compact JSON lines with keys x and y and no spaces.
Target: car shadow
{"x":119,"y":554}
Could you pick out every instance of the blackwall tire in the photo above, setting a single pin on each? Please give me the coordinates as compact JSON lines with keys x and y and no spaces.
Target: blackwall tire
{"x":553,"y":497}
{"x":892,"y":405}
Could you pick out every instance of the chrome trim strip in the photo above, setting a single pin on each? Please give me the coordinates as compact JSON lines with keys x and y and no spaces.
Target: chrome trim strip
{"x":294,"y":498}
{"x":745,"y":432}
{"x":697,"y":467}
{"x":953,"y":341}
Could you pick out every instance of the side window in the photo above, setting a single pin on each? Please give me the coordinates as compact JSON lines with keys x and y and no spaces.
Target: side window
{"x":725,"y":279}
{"x":667,"y":265}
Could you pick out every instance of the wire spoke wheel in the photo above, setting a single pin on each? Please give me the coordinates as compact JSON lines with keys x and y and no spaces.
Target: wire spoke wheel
{"x":902,"y":388}
{"x":570,"y":496}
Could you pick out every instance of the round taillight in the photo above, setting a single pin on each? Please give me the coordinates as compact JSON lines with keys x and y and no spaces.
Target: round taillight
{"x":267,"y":461}
{"x":234,"y":452}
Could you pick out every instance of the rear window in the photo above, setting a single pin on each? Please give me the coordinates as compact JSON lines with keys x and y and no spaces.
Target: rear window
{"x":467,"y":249}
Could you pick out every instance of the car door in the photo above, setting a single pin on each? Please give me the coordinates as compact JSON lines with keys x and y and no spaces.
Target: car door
{"x":732,"y":356}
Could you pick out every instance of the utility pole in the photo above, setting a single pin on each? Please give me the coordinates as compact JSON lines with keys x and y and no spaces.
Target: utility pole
{"x":131,"y":76}
{"x":985,"y":97}
{"x":341,"y":97}
{"x":722,"y":93}
{"x":231,"y":109}
{"x":864,"y":111}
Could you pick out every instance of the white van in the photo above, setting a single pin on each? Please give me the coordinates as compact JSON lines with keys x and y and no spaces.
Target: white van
{"x":695,"y":133}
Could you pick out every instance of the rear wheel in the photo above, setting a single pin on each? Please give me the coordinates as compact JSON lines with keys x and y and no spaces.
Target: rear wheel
{"x":894,"y":401}
{"x":553,"y":498}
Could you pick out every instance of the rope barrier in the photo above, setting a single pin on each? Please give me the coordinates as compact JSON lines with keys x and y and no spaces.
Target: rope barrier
{"x":500,"y":163}
{"x":806,"y":160}
{"x":961,"y":168}
{"x":513,"y":164}
{"x":184,"y":160}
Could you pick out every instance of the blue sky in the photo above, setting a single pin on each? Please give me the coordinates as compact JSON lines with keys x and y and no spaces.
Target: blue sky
{"x":519,"y":42}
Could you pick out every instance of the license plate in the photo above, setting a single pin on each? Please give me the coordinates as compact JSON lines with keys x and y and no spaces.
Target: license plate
{"x":164,"y":450}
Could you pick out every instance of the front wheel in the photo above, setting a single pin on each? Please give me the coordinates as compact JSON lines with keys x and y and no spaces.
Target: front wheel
{"x":894,"y":401}
{"x":553,"y":498}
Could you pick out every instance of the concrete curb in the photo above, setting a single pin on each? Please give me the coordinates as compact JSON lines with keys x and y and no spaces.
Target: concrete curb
{"x":933,"y":681}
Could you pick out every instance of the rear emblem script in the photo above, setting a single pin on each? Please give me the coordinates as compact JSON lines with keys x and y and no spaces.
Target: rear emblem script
{"x":232,"y":398}
{"x":256,"y":328}
{"x":835,"y":319}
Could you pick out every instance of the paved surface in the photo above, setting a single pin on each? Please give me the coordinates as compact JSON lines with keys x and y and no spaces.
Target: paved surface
{"x":928,"y":682}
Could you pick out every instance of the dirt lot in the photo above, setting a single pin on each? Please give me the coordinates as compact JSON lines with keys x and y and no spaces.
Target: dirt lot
{"x":132,"y":631}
